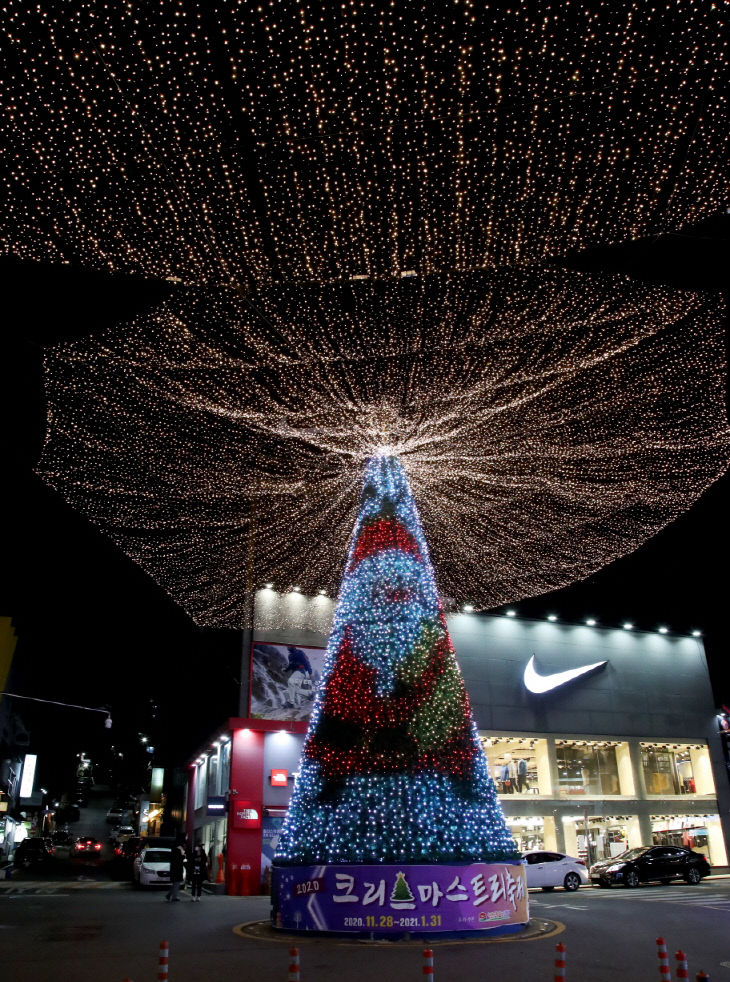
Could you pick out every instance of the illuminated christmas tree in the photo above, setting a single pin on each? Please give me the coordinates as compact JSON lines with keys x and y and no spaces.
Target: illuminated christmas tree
{"x":392,"y":769}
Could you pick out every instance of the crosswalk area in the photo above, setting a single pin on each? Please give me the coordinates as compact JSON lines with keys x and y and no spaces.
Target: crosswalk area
{"x":693,"y":896}
{"x":56,"y":887}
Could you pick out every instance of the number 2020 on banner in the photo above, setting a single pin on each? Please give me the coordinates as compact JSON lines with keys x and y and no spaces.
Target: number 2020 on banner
{"x":308,"y":886}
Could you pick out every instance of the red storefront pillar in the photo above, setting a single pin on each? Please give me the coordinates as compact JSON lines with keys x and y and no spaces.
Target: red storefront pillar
{"x":243,"y":860}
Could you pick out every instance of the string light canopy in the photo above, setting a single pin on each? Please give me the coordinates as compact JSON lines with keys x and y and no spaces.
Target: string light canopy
{"x":233,"y":143}
{"x":360,"y":202}
{"x":548,"y":424}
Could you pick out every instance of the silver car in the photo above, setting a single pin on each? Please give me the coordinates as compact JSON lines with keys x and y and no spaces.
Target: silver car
{"x":548,"y":870}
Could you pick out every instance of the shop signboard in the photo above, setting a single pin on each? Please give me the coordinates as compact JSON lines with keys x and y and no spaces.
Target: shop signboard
{"x":246,"y":815}
{"x":216,"y":805}
{"x":400,"y":899}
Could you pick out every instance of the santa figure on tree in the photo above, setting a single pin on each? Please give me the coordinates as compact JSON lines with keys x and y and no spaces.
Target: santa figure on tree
{"x":392,"y":771}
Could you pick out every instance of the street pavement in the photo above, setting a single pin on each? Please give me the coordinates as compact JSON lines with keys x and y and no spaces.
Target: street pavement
{"x":78,"y":931}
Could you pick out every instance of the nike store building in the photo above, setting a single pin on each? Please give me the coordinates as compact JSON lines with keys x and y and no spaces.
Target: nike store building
{"x":598,"y":740}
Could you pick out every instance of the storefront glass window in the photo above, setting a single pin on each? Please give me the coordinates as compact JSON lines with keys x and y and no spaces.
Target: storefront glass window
{"x":587,"y":768}
{"x":225,"y":771}
{"x":701,"y":833}
{"x":200,"y":784}
{"x":213,"y":775}
{"x":668,"y":768}
{"x":528,"y":833}
{"x":518,"y":765}
{"x":592,"y":838}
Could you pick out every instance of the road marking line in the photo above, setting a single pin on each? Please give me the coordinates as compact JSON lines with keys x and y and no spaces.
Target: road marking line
{"x":665,"y":898}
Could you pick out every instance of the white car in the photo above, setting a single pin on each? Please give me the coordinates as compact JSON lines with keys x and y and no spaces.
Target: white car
{"x":548,"y":870}
{"x":152,"y":867}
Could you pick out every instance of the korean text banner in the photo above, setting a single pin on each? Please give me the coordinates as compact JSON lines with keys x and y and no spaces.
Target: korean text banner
{"x":394,"y":899}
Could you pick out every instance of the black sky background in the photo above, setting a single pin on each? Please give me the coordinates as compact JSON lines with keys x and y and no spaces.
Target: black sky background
{"x":94,"y":629}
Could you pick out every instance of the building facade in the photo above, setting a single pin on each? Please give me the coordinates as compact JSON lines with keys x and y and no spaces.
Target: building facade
{"x":619,"y":749}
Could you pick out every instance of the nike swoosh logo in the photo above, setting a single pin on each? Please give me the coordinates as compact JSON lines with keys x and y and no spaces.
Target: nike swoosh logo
{"x":538,"y":684}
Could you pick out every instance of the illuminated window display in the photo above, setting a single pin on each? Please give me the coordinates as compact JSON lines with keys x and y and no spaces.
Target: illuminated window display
{"x":592,"y":838}
{"x":528,"y":833}
{"x":587,"y":768}
{"x":676,"y":769}
{"x":518,"y":765}
{"x":701,"y":833}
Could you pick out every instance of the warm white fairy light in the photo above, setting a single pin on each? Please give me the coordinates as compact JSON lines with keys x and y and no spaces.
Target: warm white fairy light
{"x":241,"y":143}
{"x":360,"y":200}
{"x":541,"y":442}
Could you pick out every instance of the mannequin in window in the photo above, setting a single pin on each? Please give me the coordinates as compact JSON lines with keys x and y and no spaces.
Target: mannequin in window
{"x":522,"y":775}
{"x":508,"y":783}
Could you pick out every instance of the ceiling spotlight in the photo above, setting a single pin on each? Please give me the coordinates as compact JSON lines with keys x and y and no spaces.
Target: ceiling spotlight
{"x":296,"y":589}
{"x":663,"y":630}
{"x":510,"y":613}
{"x":552,"y":617}
{"x":628,"y":626}
{"x":697,"y":634}
{"x":323,"y":593}
{"x":269,"y":586}
{"x":468,"y":609}
{"x":591,"y":622}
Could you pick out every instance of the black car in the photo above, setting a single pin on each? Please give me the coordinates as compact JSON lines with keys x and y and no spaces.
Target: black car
{"x":125,"y":854}
{"x":646,"y":863}
{"x":86,"y":846}
{"x":34,"y":851}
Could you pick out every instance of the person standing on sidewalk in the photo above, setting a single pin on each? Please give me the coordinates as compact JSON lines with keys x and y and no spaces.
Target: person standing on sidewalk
{"x":198,"y":870}
{"x":177,"y":872}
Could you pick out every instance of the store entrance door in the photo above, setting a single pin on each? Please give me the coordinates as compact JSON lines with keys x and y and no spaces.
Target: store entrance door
{"x":593,"y":838}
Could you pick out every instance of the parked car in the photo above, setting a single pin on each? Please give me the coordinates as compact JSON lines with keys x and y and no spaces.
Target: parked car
{"x":121,"y":833}
{"x":548,"y":870}
{"x":115,"y":815}
{"x":130,"y":848}
{"x":152,"y":867}
{"x":124,"y":855}
{"x":646,"y":863}
{"x":32,"y":852}
{"x":87,"y":846}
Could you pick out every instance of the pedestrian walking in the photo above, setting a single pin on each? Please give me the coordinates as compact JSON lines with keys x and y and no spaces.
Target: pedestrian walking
{"x":199,"y":871}
{"x":177,"y":872}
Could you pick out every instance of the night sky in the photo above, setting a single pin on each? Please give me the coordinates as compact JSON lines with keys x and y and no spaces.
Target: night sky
{"x":94,"y":629}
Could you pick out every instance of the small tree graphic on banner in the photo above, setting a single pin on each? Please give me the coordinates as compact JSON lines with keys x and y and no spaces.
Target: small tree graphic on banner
{"x":392,"y":770}
{"x":401,"y":897}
